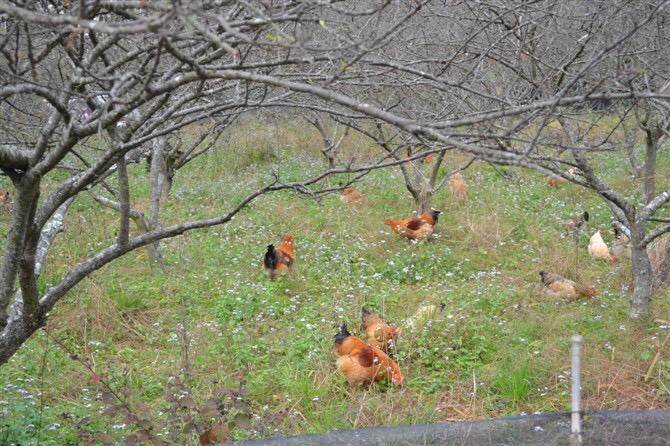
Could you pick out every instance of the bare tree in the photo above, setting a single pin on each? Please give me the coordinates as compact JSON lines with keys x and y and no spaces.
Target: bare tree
{"x":84,"y":88}
{"x":87,"y":88}
{"x":332,"y":135}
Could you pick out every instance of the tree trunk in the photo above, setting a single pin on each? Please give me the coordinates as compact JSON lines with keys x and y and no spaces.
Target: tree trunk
{"x":630,"y":141}
{"x":22,"y":219}
{"x":19,"y":329}
{"x":650,"y":163}
{"x":642,"y":277}
{"x":14,"y":336}
{"x":158,"y":176}
{"x":160,"y":188}
{"x":166,"y":186}
{"x":138,"y":218}
{"x":425,"y":198}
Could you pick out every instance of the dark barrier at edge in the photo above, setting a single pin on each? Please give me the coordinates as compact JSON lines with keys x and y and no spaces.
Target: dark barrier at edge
{"x":606,"y":427}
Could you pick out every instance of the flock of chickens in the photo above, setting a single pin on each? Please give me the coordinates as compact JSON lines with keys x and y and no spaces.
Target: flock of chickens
{"x":367,"y":359}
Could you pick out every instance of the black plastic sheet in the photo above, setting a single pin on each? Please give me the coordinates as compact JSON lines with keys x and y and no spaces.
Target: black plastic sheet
{"x":607,"y":427}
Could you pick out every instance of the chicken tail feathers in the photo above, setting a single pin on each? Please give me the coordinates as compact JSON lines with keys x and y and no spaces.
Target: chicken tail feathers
{"x":342,"y":334}
{"x":271,"y":259}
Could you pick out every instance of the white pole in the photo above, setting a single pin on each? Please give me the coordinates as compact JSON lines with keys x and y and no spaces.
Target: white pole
{"x":576,"y":384}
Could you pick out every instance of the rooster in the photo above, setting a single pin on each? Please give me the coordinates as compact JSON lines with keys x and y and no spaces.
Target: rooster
{"x":458,"y":186}
{"x":558,"y":286}
{"x":599,"y":250}
{"x":280,"y":259}
{"x":350,"y":196}
{"x":363,"y":364}
{"x":621,"y":244}
{"x":417,"y":228}
{"x":378,"y":332}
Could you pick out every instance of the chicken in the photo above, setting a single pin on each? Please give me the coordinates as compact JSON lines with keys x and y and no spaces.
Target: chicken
{"x":5,"y":201}
{"x":428,"y":159}
{"x":599,"y":250}
{"x":362,"y":363}
{"x":379,"y":333}
{"x":458,"y":186}
{"x":422,"y":314}
{"x":621,"y":244}
{"x":216,"y":434}
{"x":577,"y":223}
{"x":555,"y":180}
{"x":350,"y":196}
{"x":280,"y":259}
{"x":558,"y":286}
{"x":417,"y":228}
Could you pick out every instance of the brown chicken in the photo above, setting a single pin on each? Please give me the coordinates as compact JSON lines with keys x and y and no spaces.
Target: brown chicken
{"x":558,"y":286}
{"x":378,"y":332}
{"x":350,"y":196}
{"x":416,"y":228}
{"x":218,"y":433}
{"x":428,"y":159}
{"x":280,"y":259}
{"x":555,"y":180}
{"x":362,"y":363}
{"x":576,"y":224}
{"x":5,"y":201}
{"x":458,"y":186}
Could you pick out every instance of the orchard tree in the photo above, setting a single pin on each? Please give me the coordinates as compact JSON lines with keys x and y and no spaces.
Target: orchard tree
{"x":88,"y":87}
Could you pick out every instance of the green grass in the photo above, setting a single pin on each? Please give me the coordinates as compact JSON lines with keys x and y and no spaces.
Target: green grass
{"x":500,"y":347}
{"x":513,"y":384}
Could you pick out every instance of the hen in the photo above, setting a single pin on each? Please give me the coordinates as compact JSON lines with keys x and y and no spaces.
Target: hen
{"x":555,"y":180}
{"x":556,"y":285}
{"x":361,"y":363}
{"x":378,"y":332}
{"x":350,"y":196}
{"x":577,"y":223}
{"x":5,"y":201}
{"x":280,"y":259}
{"x":458,"y":187}
{"x":416,"y":228}
{"x":599,"y":250}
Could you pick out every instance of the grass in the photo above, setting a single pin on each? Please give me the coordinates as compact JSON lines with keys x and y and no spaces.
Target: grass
{"x":513,"y":385}
{"x":500,"y":347}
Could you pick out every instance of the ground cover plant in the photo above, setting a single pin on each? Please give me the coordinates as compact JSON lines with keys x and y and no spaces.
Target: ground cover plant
{"x":154,"y":154}
{"x":211,"y":344}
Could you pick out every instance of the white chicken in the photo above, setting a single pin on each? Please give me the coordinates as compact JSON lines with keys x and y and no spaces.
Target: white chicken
{"x":598,"y":249}
{"x":422,"y":315}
